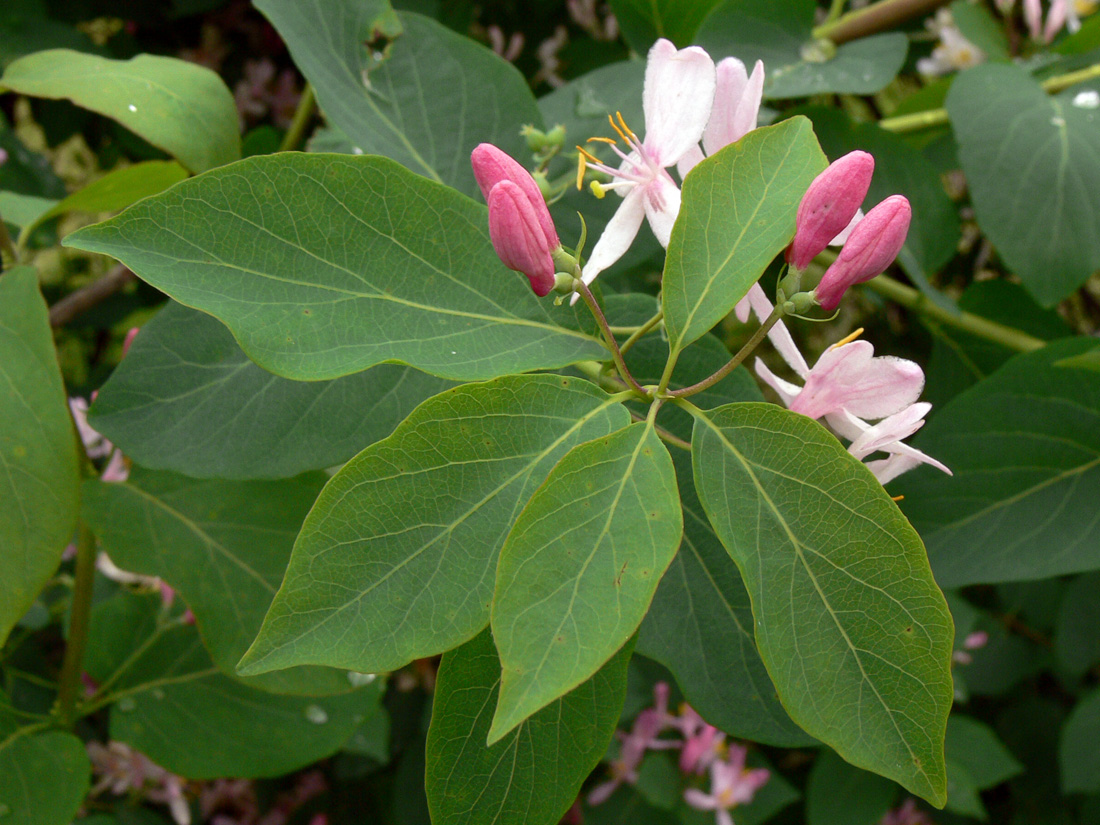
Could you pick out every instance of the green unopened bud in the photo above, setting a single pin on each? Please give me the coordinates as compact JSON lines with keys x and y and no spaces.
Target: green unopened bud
{"x":543,"y":184}
{"x":555,"y":138}
{"x":536,"y":138}
{"x":563,"y":282}
{"x":821,"y":50}
{"x":791,"y":283}
{"x":799,"y":304}
{"x":564,"y":260}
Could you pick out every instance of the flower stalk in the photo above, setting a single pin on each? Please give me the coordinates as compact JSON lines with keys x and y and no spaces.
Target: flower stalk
{"x":743,"y":353}
{"x":72,"y":664}
{"x":612,"y":344}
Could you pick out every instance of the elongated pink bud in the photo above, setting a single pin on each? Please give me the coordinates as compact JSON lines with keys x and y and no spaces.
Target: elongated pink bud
{"x":829,"y":206}
{"x":872,"y":246}
{"x":491,"y":166}
{"x":518,"y":238}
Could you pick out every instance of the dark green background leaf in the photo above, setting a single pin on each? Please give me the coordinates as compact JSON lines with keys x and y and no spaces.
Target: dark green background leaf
{"x":840,"y":794}
{"x":1078,"y":754}
{"x":533,"y":774}
{"x":43,"y":776}
{"x":186,"y":398}
{"x":643,"y":21}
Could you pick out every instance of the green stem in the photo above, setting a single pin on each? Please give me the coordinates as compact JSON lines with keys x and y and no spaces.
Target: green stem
{"x":938,"y":117}
{"x":878,"y":17}
{"x":976,"y":325}
{"x":664,"y":434}
{"x":594,"y":370}
{"x":72,"y":665}
{"x":612,"y":344}
{"x":735,"y":362}
{"x":307,"y":105}
{"x":835,"y":10}
{"x":642,"y":330}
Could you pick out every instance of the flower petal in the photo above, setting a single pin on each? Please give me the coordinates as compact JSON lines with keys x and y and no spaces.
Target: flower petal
{"x":890,"y":430}
{"x":678,"y":94}
{"x":689,"y":161}
{"x":786,"y":391}
{"x":617,"y":236}
{"x":662,"y":205}
{"x":699,"y":800}
{"x":736,"y":104}
{"x":850,"y":378}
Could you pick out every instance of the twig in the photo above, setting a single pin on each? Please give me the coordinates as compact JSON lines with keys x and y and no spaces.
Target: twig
{"x":875,"y":18}
{"x":307,"y":105}
{"x":79,"y":302}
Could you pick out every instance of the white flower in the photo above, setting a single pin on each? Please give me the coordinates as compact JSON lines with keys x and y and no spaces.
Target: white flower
{"x":737,"y":97}
{"x":679,"y":91}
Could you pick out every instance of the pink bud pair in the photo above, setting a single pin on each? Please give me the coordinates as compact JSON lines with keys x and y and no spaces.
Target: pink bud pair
{"x":520,"y":225}
{"x":829,"y":205}
{"x":874,"y":243}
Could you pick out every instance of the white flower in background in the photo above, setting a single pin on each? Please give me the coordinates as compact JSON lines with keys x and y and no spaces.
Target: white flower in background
{"x":736,"y":108}
{"x":953,"y":52}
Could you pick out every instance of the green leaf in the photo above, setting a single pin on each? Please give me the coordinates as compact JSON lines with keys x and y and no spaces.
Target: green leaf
{"x":24,"y":210}
{"x":1030,"y":162}
{"x":413,"y":279}
{"x":534,"y":773}
{"x":900,"y":169}
{"x":39,"y":481}
{"x":1077,"y":752}
{"x":180,"y":107}
{"x":115,"y":190}
{"x":780,"y":32}
{"x":849,"y":622}
{"x":396,"y":559}
{"x":26,"y":27}
{"x":981,"y":28}
{"x":839,"y":794}
{"x":181,"y":712}
{"x":700,"y":627}
{"x":976,"y":747}
{"x":435,"y":96}
{"x":1076,"y":642}
{"x":223,"y":544}
{"x":737,"y":214}
{"x":580,"y":567}
{"x":643,"y":21}
{"x":43,"y":775}
{"x":186,"y":398}
{"x":1024,"y":447}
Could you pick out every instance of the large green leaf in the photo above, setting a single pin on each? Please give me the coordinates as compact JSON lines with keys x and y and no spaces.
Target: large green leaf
{"x":186,"y":398}
{"x":580,"y":567}
{"x":737,"y":214}
{"x":533,"y":774}
{"x":1076,"y":642}
{"x":700,"y":627}
{"x":324,"y":265}
{"x":779,"y":32}
{"x":1078,"y":755}
{"x":1030,"y":162}
{"x":396,"y":560}
{"x":183,"y":108}
{"x":175,"y":706}
{"x":434,"y":98}
{"x":39,"y":481}
{"x":849,"y":622}
{"x":223,"y":544}
{"x":643,"y":21}
{"x":43,"y":776}
{"x":1024,"y":447}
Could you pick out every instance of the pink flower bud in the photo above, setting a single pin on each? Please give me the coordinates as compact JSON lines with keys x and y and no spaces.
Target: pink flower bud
{"x":518,"y":238}
{"x":872,"y":246}
{"x":829,"y":206}
{"x":491,"y":166}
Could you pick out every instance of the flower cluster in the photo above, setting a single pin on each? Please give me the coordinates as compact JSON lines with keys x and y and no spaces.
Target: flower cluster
{"x":703,"y":749}
{"x":953,"y":52}
{"x":1060,"y":14}
{"x":121,"y":770}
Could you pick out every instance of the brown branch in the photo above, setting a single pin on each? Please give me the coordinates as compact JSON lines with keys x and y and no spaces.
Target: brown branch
{"x":79,"y":302}
{"x":882,"y":16}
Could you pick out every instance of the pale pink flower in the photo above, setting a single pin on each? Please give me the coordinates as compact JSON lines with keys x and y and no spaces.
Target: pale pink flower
{"x":734,"y":113}
{"x":907,"y":814}
{"x":677,"y":97}
{"x":648,"y":725}
{"x":123,"y":771}
{"x":701,"y":749}
{"x":95,"y":445}
{"x":731,"y":784}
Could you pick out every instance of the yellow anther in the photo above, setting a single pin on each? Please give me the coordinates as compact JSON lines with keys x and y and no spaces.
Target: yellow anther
{"x":897,"y":498}
{"x":847,"y":339}
{"x":597,"y":189}
{"x":581,"y":158}
{"x":626,"y":128}
{"x":618,"y":131}
{"x":601,"y":140}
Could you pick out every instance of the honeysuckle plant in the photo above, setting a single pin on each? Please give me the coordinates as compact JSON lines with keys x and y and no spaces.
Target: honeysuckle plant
{"x":409,"y":477}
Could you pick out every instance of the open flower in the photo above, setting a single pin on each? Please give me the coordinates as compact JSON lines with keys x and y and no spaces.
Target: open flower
{"x":679,"y":91}
{"x":847,"y":386}
{"x":648,"y":725}
{"x":731,"y":784}
{"x":737,"y":96}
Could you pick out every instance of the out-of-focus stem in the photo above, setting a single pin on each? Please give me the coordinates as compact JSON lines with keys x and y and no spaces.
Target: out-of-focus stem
{"x":875,"y":18}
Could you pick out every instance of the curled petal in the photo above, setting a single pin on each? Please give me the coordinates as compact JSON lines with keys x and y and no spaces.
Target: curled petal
{"x":786,"y":391}
{"x":737,"y":97}
{"x":518,"y":238}
{"x":850,"y":378}
{"x":678,"y":93}
{"x":699,"y":800}
{"x":890,"y":430}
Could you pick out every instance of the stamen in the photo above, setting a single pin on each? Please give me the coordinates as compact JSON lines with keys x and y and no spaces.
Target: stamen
{"x":626,"y":128}
{"x":580,"y":169}
{"x":896,"y":498}
{"x":597,"y":189}
{"x":587,"y":155}
{"x":847,"y":339}
{"x":619,"y":131}
{"x":601,"y":140}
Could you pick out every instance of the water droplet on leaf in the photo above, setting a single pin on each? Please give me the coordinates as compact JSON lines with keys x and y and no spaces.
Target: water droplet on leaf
{"x":316,"y":714}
